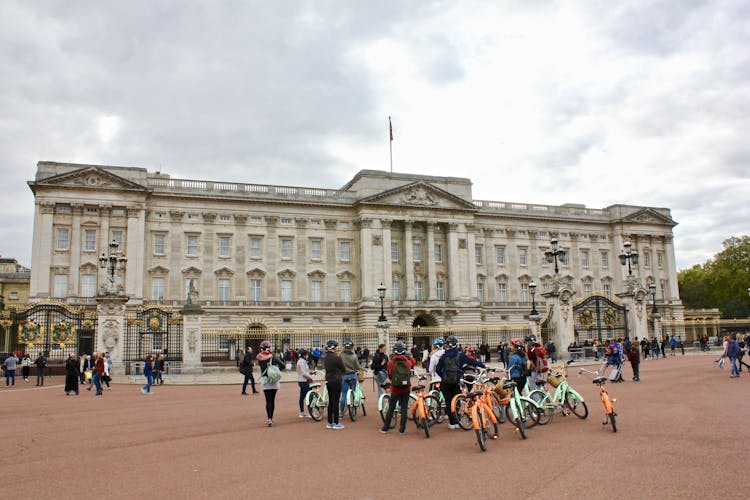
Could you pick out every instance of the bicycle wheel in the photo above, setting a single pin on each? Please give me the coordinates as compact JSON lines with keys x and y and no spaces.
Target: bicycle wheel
{"x":543,"y":413}
{"x":517,"y":421}
{"x":613,"y":422}
{"x":432,"y":409}
{"x":425,"y":427}
{"x":463,"y":416}
{"x":385,"y":402}
{"x":362,"y":404}
{"x":497,"y":407}
{"x":481,"y":431}
{"x":313,"y":407}
{"x":578,"y":407}
{"x":530,"y":414}
{"x":521,"y":428}
{"x":353,"y":411}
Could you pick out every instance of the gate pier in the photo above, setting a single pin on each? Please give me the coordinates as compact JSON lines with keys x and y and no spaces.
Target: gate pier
{"x":111,"y":312}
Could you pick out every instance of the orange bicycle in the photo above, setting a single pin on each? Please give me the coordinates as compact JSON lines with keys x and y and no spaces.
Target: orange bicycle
{"x":481,"y":415}
{"x":460,"y":405}
{"x":610,"y":416}
{"x":426,"y":408}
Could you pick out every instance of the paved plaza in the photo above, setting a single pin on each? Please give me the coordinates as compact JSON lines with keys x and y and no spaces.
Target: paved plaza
{"x":681,"y":434}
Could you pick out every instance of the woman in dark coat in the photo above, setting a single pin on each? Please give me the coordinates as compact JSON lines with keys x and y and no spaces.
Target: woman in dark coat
{"x":71,"y":375}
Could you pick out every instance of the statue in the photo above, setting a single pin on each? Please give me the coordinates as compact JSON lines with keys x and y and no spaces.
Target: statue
{"x":192,"y":296}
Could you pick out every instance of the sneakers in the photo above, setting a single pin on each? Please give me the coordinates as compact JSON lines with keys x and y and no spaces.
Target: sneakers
{"x":143,"y":391}
{"x":303,"y":415}
{"x":383,"y":430}
{"x":269,"y":423}
{"x":453,"y":426}
{"x":329,"y":426}
{"x":337,"y":427}
{"x":402,"y":433}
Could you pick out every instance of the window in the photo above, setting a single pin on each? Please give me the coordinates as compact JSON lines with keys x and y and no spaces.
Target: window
{"x":394,"y":252}
{"x":157,"y":288}
{"x":418,"y":290}
{"x":89,"y":240}
{"x":255,"y":248}
{"x":192,"y":245}
{"x":158,"y":244}
{"x":478,"y":254}
{"x":587,"y":288}
{"x":188,"y":282}
{"x":192,"y":216}
{"x":92,"y":210}
{"x":346,"y":291}
{"x":647,"y":258}
{"x":63,"y":238}
{"x":585,"y":259}
{"x":663,"y":284}
{"x":344,"y":251}
{"x":315,"y":246}
{"x":118,"y":212}
{"x":286,"y":320}
{"x":480,"y":292}
{"x":61,"y":285}
{"x":417,"y":251}
{"x":316,"y":291}
{"x":502,"y":292}
{"x":524,"y":292}
{"x":605,"y":260}
{"x":256,"y":220}
{"x":396,"y":290}
{"x":440,"y":288}
{"x":13,"y":295}
{"x":223,"y":289}
{"x":438,"y":252}
{"x":225,"y":218}
{"x":607,"y":289}
{"x":500,"y":255}
{"x":660,"y":260}
{"x":315,"y":222}
{"x":117,"y":236}
{"x":286,"y":290}
{"x":88,"y":285}
{"x":224,"y":246}
{"x":255,"y":289}
{"x":286,"y":220}
{"x":522,"y":256}
{"x":286,"y":249}
{"x":63,"y":209}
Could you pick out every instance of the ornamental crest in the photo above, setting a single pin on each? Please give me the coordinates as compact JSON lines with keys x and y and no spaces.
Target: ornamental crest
{"x":610,"y":318}
{"x":154,"y":322}
{"x":418,"y":195}
{"x":586,"y":318}
{"x":30,"y":333}
{"x":61,"y":332}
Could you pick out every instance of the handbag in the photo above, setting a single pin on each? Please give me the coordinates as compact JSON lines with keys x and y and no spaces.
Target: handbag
{"x":87,"y":374}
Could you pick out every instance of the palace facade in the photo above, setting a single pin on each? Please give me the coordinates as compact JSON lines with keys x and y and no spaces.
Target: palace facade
{"x":304,"y":257}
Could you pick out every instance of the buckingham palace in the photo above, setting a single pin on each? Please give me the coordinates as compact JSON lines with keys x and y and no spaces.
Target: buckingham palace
{"x":273,"y":256}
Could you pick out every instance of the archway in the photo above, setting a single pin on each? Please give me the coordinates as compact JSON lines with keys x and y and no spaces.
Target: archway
{"x":422,"y":340}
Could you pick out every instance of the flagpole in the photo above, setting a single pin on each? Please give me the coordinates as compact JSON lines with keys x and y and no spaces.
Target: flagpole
{"x":390,"y":143}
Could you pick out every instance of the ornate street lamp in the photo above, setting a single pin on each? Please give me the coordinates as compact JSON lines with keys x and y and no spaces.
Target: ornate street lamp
{"x":630,"y":256}
{"x":534,"y":313}
{"x":554,"y":254}
{"x":114,"y":262}
{"x":381,"y":296}
{"x":654,"y":311}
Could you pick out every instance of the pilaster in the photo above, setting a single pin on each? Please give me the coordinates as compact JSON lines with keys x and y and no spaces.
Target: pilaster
{"x":192,"y":336}
{"x":365,"y":260}
{"x":385,"y":224}
{"x":453,"y":268}
{"x":408,"y":260}
{"x":431,"y":278}
{"x":135,"y":252}
{"x":111,"y":329}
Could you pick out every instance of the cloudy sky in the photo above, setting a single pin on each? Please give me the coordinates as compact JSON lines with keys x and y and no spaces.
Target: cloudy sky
{"x":594,"y":102}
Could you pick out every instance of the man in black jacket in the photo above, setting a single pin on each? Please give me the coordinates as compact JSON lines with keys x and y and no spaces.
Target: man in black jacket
{"x":246,"y":368}
{"x":41,"y":364}
{"x":379,"y":367}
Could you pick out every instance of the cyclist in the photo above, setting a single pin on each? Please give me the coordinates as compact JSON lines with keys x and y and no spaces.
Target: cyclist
{"x":449,"y":368}
{"x":517,"y":364}
{"x":437,"y":353}
{"x":304,"y":377}
{"x":379,"y":367}
{"x":399,"y":368}
{"x":351,"y":367}
{"x":334,"y":370}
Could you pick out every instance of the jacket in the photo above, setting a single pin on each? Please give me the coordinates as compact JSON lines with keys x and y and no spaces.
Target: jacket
{"x":334,"y":368}
{"x":351,"y":364}
{"x":379,"y":362}
{"x":410,"y":363}
{"x":463,"y":360}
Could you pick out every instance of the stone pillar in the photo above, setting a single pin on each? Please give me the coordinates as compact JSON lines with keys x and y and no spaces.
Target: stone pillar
{"x":471,"y":259}
{"x":41,"y":252}
{"x":637,"y":311}
{"x":490,"y":263}
{"x":431,"y":279}
{"x":387,"y":263}
{"x":103,"y":242}
{"x":408,"y":260}
{"x":561,"y":320}
{"x":454,"y":280}
{"x":136,"y":248}
{"x":191,"y":338}
{"x":382,"y":330}
{"x":75,"y":250}
{"x":365,"y":260}
{"x":300,"y":259}
{"x":670,"y":269}
{"x":111,"y":329}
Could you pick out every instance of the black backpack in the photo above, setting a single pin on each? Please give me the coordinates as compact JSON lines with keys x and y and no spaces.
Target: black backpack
{"x":450,"y":370}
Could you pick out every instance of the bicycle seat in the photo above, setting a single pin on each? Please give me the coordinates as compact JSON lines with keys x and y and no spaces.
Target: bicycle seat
{"x":599,"y":380}
{"x":509,"y":384}
{"x":417,"y":388}
{"x":385,"y":385}
{"x":540,"y":382}
{"x":314,"y":386}
{"x":474,"y":394}
{"x":495,"y":380}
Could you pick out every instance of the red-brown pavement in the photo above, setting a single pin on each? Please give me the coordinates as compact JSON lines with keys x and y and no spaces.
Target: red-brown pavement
{"x":681,"y":434}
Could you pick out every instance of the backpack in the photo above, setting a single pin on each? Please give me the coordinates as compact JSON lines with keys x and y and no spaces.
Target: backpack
{"x":400,"y":373}
{"x":273,"y":374}
{"x":450,"y":370}
{"x":541,"y":359}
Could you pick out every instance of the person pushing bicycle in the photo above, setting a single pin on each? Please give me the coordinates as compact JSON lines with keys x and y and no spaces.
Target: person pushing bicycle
{"x":517,"y":364}
{"x":379,"y":367}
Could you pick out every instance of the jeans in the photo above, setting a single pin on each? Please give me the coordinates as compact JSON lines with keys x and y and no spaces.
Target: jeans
{"x":449,"y":390}
{"x":304,"y":387}
{"x":97,"y":378}
{"x":380,"y":379}
{"x":735,"y":368}
{"x":334,"y":393}
{"x":636,"y":372}
{"x":10,"y":377}
{"x":403,"y":401}
{"x":346,"y":379}
{"x":249,"y":377}
{"x":149,"y":382}
{"x":40,"y":376}
{"x":158,"y":378}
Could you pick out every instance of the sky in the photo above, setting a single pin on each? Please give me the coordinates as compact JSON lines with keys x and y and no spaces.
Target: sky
{"x":549,"y":102}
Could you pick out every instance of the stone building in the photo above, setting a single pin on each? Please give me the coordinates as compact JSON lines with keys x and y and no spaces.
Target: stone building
{"x":14,"y":282}
{"x":278,"y":256}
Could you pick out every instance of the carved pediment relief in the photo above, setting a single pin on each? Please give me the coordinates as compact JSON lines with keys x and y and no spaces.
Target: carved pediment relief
{"x":286,"y":274}
{"x":191,"y":270}
{"x":224,"y":271}
{"x":89,"y":177}
{"x":88,"y":266}
{"x":345,"y":275}
{"x":501,"y":277}
{"x":648,"y":216}
{"x":256,"y":273}
{"x":317,"y":274}
{"x":158,"y":270}
{"x":420,"y":194}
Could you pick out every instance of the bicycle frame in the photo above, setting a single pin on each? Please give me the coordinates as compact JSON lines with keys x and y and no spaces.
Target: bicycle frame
{"x":322,"y":391}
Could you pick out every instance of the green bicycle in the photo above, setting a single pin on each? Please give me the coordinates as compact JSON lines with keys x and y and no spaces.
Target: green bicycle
{"x":565,"y":399}
{"x":521,"y":411}
{"x":355,"y":399}
{"x":385,"y":400}
{"x":316,"y":400}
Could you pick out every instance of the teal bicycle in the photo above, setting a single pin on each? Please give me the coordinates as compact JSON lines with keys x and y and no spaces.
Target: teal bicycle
{"x":385,"y":400}
{"x":522,"y":411}
{"x":317,"y":400}
{"x":355,"y":399}
{"x":565,"y":399}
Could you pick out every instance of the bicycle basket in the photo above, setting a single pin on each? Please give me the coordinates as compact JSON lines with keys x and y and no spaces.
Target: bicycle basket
{"x":498,"y":389}
{"x":554,"y":380}
{"x":361,"y":376}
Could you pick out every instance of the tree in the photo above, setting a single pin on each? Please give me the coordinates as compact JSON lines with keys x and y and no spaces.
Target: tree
{"x":721,"y":282}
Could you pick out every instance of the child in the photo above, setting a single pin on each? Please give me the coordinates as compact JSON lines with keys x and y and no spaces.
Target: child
{"x":635,"y":360}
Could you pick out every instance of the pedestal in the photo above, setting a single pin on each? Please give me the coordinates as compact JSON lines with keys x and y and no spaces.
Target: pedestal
{"x":561,"y":319}
{"x":192,"y":339}
{"x":382,"y":329}
{"x":111,"y":329}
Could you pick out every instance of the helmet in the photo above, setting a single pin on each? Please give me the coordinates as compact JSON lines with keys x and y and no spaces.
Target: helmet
{"x":531,"y":338}
{"x":265,"y":345}
{"x":331,"y":345}
{"x":438,"y":342}
{"x":452,"y":342}
{"x":302,"y":353}
{"x":399,"y":347}
{"x":518,"y":344}
{"x":348,"y":343}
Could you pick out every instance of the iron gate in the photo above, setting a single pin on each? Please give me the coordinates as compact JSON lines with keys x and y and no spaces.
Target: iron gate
{"x":598,"y":318}
{"x":154,"y":331}
{"x":50,"y":328}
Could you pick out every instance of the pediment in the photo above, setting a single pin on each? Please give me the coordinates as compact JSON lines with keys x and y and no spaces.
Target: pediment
{"x":648,"y":216}
{"x":90,"y":266}
{"x":256,"y":272}
{"x":317,"y":274}
{"x":286,"y":274}
{"x":191,"y":270}
{"x":91,"y":178}
{"x":345,"y":275}
{"x":419,"y":194}
{"x":224,"y":271}
{"x":158,"y":269}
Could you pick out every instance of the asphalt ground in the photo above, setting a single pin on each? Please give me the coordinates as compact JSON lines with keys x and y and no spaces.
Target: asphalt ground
{"x":682,"y":433}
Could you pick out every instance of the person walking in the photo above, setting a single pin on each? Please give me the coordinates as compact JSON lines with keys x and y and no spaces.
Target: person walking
{"x":635,"y":362}
{"x":25,"y":366}
{"x":72,"y":374}
{"x":366,"y":356}
{"x":663,"y":346}
{"x":351,"y":367}
{"x":304,"y":379}
{"x":672,"y":345}
{"x":517,"y":365}
{"x":270,"y":387}
{"x":654,"y":348}
{"x":398,"y":369}
{"x":380,"y":368}
{"x":159,"y":370}
{"x":334,"y":367}
{"x":437,"y":353}
{"x":552,"y":351}
{"x":98,"y":372}
{"x":315,"y":358}
{"x":246,"y":369}
{"x":450,"y":369}
{"x":10,"y":365}
{"x":106,"y":378}
{"x":148,"y":372}
{"x":743,"y":346}
{"x":41,"y":364}
{"x":733,"y":352}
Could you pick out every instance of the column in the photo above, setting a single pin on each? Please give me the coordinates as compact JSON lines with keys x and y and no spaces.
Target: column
{"x":175,"y":243}
{"x":408,"y":260}
{"x":490,"y":291}
{"x":670,"y":269}
{"x":191,"y":338}
{"x":331,"y":260}
{"x":431,"y":280}
{"x":103,"y":241}
{"x":301,"y":259}
{"x":272,"y":258}
{"x":452,"y":250}
{"x":41,"y":250}
{"x":365,"y":260}
{"x":385,"y":224}
{"x":75,"y":249}
{"x":135,"y":252}
{"x":111,"y":329}
{"x":471,"y":267}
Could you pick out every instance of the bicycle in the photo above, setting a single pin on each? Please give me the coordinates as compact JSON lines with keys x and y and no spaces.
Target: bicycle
{"x":316,"y":399}
{"x":610,"y":416}
{"x":565,"y":399}
{"x":436,"y":392}
{"x":521,"y":411}
{"x":460,"y":403}
{"x":355,"y":399}
{"x":425,"y":409}
{"x":385,"y":400}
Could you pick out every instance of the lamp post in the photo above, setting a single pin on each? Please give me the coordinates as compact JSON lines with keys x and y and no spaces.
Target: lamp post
{"x":554,"y":254}
{"x":654,"y":311}
{"x":534,"y":313}
{"x":114,"y":262}
{"x":629,"y":256}
{"x":381,"y":296}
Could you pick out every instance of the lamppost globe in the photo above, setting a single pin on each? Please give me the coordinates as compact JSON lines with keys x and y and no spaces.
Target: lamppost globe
{"x":629,"y":256}
{"x":381,"y":296}
{"x":554,"y":254}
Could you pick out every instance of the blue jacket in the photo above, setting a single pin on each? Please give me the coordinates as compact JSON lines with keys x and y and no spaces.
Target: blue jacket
{"x":733,"y":351}
{"x":463,"y":359}
{"x":516,"y":364}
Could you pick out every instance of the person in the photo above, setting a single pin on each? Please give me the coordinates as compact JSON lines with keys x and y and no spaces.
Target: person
{"x":148,"y":372}
{"x":25,"y":366}
{"x":349,"y":377}
{"x":635,"y":362}
{"x":399,"y":392}
{"x":415,"y":353}
{"x":645,"y":348}
{"x":380,"y":367}
{"x":366,"y":356}
{"x":733,"y":352}
{"x":681,"y":344}
{"x":517,"y":365}
{"x":41,"y":364}
{"x":537,"y":355}
{"x":10,"y":365}
{"x":663,"y":346}
{"x":672,"y":345}
{"x":437,"y":353}
{"x":722,"y":359}
{"x":654,"y":348}
{"x":449,"y":368}
{"x":315,"y":357}
{"x":96,"y":378}
{"x":266,"y":357}
{"x":72,"y":369}
{"x":85,"y":365}
{"x":106,"y":378}
{"x":743,"y":346}
{"x":304,"y":378}
{"x":551,"y":351}
{"x":334,"y":367}
{"x":246,"y":369}
{"x":158,"y":370}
